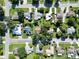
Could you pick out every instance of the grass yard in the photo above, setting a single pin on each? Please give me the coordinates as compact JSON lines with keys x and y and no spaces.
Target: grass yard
{"x":24,"y":35}
{"x":11,"y":56}
{"x":64,"y":45}
{"x":64,"y":1}
{"x":13,"y":46}
{"x":73,"y":1}
{"x":14,"y":37}
{"x":29,"y":1}
{"x":41,"y":1}
{"x":2,"y":2}
{"x":30,"y":56}
{"x":12,"y":11}
{"x":58,"y":10}
{"x":1,"y":49}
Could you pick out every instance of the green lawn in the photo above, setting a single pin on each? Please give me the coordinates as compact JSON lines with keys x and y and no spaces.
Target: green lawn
{"x":13,"y":46}
{"x":64,"y":1}
{"x":13,"y":37}
{"x":11,"y":56}
{"x":24,"y":35}
{"x":41,"y":1}
{"x":73,"y":1}
{"x":58,"y":10}
{"x":29,"y":1}
{"x":2,"y":2}
{"x":12,"y":11}
{"x":1,"y":49}
{"x":64,"y":45}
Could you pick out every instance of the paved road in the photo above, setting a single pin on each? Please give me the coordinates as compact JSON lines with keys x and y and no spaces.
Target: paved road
{"x":6,"y":49}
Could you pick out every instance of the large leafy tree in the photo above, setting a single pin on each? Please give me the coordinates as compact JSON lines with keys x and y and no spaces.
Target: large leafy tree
{"x":11,"y":24}
{"x":22,"y":52}
{"x":48,"y":1}
{"x":71,"y":21}
{"x":1,"y":13}
{"x":2,"y":29}
{"x":21,"y":16}
{"x":14,"y":1}
{"x":35,"y":1}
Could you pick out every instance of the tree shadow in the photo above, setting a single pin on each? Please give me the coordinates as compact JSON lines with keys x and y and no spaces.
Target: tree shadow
{"x":36,"y":4}
{"x":48,"y":3}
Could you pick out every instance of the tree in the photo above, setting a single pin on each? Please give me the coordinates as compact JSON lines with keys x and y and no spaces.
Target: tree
{"x":35,"y":1}
{"x":58,"y":23}
{"x":2,"y":29}
{"x":35,"y":56}
{"x":63,"y":28}
{"x":15,"y":1}
{"x":21,"y":17}
{"x":59,"y":34}
{"x":22,"y":52}
{"x":48,"y":1}
{"x":71,"y":21}
{"x":1,"y":13}
{"x":11,"y":24}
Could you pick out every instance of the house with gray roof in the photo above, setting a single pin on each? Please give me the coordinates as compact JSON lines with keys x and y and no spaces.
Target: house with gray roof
{"x":37,"y":15}
{"x":17,"y":30}
{"x":70,"y":51}
{"x":60,"y":51}
{"x":28,"y":15}
{"x":38,"y":49}
{"x":28,"y":49}
{"x":77,"y":53}
{"x":70,"y":30}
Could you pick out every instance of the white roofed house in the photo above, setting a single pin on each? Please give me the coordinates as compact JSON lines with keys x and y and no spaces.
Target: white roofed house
{"x":28,"y":49}
{"x":77,"y":53}
{"x":48,"y":16}
{"x":70,"y":13}
{"x":70,"y":30}
{"x":15,"y":51}
{"x":60,"y":51}
{"x":50,"y":30}
{"x":28,"y":15}
{"x":50,"y":51}
{"x":71,"y":51}
{"x":17,"y":30}
{"x":37,"y":15}
{"x":38,"y":50}
{"x":59,"y":16}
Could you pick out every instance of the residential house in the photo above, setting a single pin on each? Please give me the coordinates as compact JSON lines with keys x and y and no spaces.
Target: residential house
{"x":70,"y":30}
{"x":70,"y":51}
{"x":37,"y":15}
{"x":17,"y":30}
{"x":37,"y":29}
{"x":50,"y":30}
{"x":38,"y":49}
{"x":77,"y":53}
{"x":28,"y":49}
{"x":48,"y":16}
{"x":15,"y":51}
{"x":27,"y":30}
{"x":59,"y":16}
{"x":70,"y":13}
{"x":50,"y":51}
{"x":28,"y":15}
{"x":60,"y":51}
